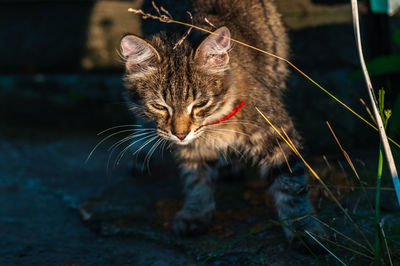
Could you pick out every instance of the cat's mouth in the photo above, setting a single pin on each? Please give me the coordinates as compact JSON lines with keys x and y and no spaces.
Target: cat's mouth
{"x":182,"y":138}
{"x":178,"y":138}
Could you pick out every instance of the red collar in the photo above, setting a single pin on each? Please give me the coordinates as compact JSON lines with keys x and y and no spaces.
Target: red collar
{"x":234,"y":111}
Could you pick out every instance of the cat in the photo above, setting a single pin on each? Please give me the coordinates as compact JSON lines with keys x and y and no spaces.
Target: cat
{"x":202,"y":96}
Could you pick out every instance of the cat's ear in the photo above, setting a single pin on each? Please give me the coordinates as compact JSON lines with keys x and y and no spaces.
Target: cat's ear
{"x":140,"y":57}
{"x":212,"y":54}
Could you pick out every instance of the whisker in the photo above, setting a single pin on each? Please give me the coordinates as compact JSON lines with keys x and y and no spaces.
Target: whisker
{"x":104,"y":139}
{"x":127,"y":138}
{"x":222,"y":151}
{"x":244,"y":122}
{"x":114,"y":147}
{"x":151,"y":151}
{"x":162,"y":148}
{"x":117,"y":144}
{"x":226,"y":130}
{"x":169,"y":145}
{"x":242,"y":156}
{"x":121,"y":154}
{"x":145,"y":129}
{"x":144,"y":145}
{"x":111,"y":128}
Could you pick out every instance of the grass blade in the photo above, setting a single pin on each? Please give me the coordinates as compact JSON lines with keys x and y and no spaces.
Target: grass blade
{"x":322,"y":245}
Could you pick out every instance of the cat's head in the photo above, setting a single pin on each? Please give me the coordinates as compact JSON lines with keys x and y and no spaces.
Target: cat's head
{"x":180,"y":88}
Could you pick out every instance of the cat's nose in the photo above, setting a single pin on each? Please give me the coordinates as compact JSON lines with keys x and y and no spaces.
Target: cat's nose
{"x":181,"y":135}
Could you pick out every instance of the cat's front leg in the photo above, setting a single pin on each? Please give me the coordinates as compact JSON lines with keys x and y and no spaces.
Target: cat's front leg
{"x":196,"y":215}
{"x":289,"y":190}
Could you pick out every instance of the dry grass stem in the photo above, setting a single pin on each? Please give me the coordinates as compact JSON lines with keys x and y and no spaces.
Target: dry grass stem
{"x":284,"y":155}
{"x":185,"y":35}
{"x":368,"y":110}
{"x":346,"y":155}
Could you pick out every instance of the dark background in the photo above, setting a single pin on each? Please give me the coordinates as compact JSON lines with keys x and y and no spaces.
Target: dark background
{"x":60,"y":84}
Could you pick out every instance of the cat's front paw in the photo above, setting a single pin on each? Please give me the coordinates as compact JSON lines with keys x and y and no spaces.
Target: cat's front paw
{"x":186,"y":224}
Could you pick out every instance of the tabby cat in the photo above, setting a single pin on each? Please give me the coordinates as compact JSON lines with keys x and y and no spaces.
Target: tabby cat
{"x":202,"y":96}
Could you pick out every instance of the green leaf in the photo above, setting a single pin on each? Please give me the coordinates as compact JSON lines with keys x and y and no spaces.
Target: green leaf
{"x":396,"y":36}
{"x":394,"y":125}
{"x":388,"y":114}
{"x":381,"y":100}
{"x":381,"y":65}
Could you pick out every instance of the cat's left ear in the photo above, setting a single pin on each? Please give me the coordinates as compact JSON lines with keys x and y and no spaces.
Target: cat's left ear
{"x":212,"y":54}
{"x":140,"y":56}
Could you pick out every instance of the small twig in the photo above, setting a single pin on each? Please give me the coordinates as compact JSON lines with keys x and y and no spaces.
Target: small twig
{"x":166,"y":12}
{"x":186,"y":34}
{"x":156,"y":8}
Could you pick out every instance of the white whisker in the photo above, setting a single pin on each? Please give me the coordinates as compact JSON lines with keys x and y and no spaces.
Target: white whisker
{"x":104,"y":139}
{"x":162,"y":148}
{"x":121,"y":154}
{"x":111,"y":128}
{"x":151,"y":151}
{"x":127,"y":138}
{"x":117,"y":144}
{"x":225,"y":130}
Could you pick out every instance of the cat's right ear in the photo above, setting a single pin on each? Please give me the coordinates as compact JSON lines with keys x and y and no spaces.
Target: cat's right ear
{"x":140,"y":57}
{"x":212,"y":54}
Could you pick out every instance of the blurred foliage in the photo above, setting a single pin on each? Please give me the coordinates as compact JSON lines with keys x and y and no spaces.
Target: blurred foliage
{"x":397,"y":36}
{"x":389,"y":64}
{"x":394,"y":126}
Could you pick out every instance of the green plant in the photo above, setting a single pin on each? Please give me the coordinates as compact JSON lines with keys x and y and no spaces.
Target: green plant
{"x":382,"y":65}
{"x":385,"y":114}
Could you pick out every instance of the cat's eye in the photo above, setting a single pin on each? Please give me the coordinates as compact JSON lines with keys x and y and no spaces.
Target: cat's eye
{"x":200,"y":104}
{"x":159,"y":107}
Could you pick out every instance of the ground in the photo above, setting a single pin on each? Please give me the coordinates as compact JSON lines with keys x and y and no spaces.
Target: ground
{"x":59,"y":209}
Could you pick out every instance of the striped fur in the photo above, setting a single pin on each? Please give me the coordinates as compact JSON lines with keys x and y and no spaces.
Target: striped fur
{"x":190,"y":87}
